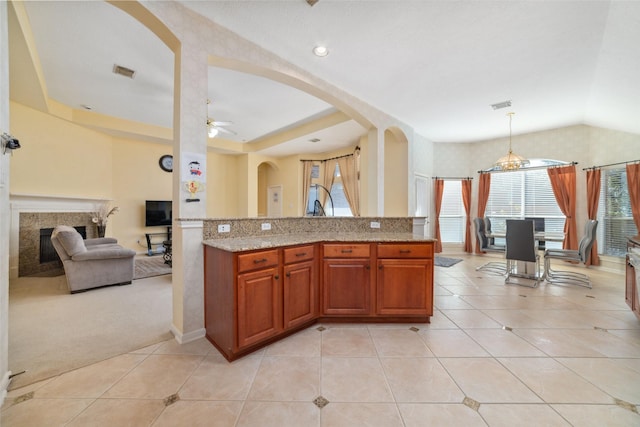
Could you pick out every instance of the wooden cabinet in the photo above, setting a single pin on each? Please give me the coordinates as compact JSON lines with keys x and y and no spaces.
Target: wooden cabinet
{"x":253,"y":298}
{"x":259,"y":308}
{"x":346,"y":279}
{"x":632,"y":291}
{"x":404,"y":281}
{"x":300,"y":286}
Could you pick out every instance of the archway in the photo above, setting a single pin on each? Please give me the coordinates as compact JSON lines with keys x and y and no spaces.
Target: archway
{"x":266,"y":172}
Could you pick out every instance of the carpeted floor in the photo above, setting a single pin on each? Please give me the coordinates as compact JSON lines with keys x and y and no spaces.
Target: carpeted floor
{"x":52,"y":331}
{"x":442,"y":261}
{"x":150,"y":266}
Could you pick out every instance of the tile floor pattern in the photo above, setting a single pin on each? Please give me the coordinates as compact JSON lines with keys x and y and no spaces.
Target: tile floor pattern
{"x":492,"y":355}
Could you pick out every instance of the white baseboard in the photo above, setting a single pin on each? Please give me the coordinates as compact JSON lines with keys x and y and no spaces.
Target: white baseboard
{"x":4,"y":386}
{"x":189,"y":336}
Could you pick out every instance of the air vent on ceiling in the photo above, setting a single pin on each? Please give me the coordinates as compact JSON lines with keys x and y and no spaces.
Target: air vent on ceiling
{"x":499,"y":105}
{"x":124,"y":71}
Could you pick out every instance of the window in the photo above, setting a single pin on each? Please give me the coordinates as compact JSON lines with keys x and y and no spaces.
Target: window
{"x":524,"y":194}
{"x":615,"y":220}
{"x":336,"y":205}
{"x":452,"y":215}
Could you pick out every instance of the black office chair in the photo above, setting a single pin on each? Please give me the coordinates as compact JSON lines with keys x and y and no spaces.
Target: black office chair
{"x":490,"y":267}
{"x":583,"y":253}
{"x":522,"y":249}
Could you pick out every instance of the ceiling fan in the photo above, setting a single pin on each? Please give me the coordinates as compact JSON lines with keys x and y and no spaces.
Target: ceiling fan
{"x":215,"y":126}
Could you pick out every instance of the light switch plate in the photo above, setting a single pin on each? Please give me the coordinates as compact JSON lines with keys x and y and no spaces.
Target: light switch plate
{"x":375,"y":224}
{"x":266,"y":226}
{"x":224,"y":228}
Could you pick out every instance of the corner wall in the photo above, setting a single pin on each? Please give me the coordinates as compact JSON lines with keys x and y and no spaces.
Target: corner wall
{"x":4,"y":205}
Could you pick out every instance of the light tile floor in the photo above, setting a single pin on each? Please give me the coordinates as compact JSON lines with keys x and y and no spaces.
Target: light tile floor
{"x":492,"y":355}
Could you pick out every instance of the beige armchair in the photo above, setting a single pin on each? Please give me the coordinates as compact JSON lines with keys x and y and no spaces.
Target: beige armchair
{"x":92,"y":263}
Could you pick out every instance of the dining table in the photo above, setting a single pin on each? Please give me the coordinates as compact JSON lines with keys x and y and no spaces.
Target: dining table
{"x":528,"y":268}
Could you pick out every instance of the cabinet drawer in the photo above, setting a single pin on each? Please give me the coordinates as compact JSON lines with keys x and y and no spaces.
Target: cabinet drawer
{"x":356,"y":250}
{"x":255,"y":260}
{"x":404,"y":250}
{"x":297,"y":254}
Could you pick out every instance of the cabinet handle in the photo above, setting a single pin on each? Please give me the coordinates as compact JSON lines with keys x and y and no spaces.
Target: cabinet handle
{"x":347,"y":251}
{"x":258,"y":261}
{"x":405,"y":251}
{"x":276,"y":277}
{"x":301,"y":254}
{"x":380,"y":267}
{"x":368,"y":267}
{"x":288,"y":274}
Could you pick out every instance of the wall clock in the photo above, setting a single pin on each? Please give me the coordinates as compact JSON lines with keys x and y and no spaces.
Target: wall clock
{"x":166,"y":163}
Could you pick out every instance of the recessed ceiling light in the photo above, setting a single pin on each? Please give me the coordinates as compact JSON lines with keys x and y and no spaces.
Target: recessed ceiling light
{"x":320,"y":51}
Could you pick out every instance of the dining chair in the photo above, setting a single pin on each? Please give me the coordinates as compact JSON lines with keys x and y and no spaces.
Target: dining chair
{"x":559,"y":277}
{"x":485,"y":246}
{"x":521,"y":252}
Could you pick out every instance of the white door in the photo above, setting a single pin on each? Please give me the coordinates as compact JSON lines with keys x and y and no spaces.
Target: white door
{"x":274,"y":201}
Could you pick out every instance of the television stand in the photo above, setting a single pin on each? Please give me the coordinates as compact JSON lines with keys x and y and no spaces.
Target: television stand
{"x":157,"y":239}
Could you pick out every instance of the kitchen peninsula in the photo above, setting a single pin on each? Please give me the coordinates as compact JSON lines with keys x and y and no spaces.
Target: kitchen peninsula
{"x":262,"y":286}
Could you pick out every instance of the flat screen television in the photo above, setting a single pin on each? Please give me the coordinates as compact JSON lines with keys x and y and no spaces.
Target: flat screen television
{"x":157,"y":212}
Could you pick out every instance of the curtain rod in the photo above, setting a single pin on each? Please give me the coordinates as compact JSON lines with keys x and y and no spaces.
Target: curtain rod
{"x":332,"y":158}
{"x":452,"y":177}
{"x":529,"y":169}
{"x":611,"y":164}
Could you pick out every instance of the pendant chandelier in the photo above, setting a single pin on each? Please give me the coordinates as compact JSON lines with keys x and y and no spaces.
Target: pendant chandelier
{"x":511,"y":161}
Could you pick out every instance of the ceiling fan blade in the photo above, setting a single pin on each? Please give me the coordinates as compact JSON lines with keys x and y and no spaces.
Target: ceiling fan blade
{"x":217,"y":123}
{"x":223,"y":130}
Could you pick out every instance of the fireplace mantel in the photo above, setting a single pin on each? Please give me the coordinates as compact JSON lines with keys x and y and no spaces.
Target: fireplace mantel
{"x":34,"y":203}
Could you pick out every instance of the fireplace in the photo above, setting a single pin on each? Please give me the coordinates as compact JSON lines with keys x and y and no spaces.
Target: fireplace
{"x":30,"y":214}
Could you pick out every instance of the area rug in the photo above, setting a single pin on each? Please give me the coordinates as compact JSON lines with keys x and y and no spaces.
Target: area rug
{"x":150,"y":266}
{"x":442,"y":261}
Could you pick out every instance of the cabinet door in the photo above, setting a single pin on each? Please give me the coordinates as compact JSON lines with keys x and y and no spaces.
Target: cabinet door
{"x":346,"y":286}
{"x":404,"y":287}
{"x":259,"y":310}
{"x":300,"y":287}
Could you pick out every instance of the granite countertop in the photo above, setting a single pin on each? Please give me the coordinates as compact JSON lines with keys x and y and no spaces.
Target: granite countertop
{"x":277,"y":240}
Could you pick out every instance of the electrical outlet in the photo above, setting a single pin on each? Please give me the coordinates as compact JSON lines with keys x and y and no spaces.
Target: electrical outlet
{"x":266,"y":226}
{"x":224,"y":228}
{"x":375,"y":224}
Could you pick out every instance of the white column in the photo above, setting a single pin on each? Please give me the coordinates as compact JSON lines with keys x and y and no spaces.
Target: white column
{"x":190,"y":117}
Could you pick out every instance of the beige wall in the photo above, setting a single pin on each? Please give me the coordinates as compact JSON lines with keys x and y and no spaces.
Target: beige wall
{"x":136,"y":177}
{"x":396,"y":202}
{"x":59,"y":158}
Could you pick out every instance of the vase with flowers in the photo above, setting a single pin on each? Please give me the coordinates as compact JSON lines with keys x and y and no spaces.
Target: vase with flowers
{"x":101,"y":216}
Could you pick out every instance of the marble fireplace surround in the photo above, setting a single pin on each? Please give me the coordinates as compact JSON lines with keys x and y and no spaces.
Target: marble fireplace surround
{"x":29,"y":213}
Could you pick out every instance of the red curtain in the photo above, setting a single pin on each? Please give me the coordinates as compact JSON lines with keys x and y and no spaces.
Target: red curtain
{"x":633,"y":183}
{"x":483,"y":196}
{"x":593,"y":197}
{"x":439,"y":189}
{"x":466,"y":200}
{"x":563,"y":183}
